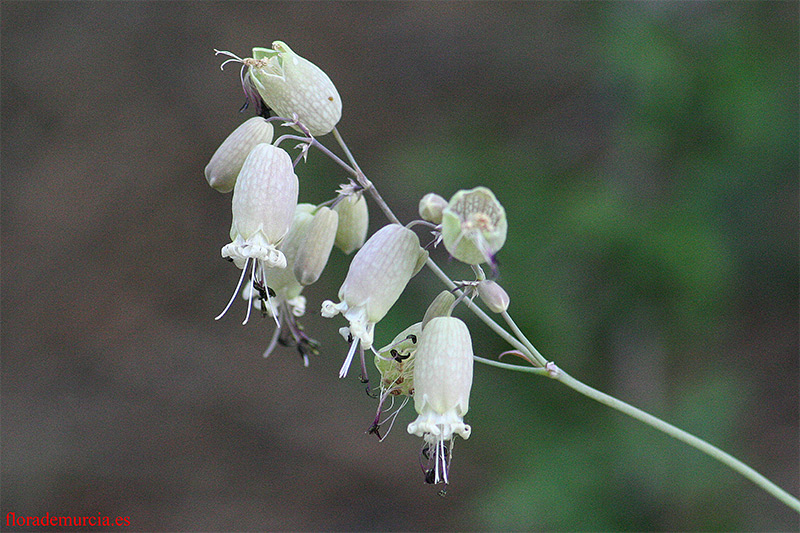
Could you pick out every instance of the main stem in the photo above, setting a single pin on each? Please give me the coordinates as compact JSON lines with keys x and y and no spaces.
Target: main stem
{"x":521,"y":342}
{"x":682,"y":436}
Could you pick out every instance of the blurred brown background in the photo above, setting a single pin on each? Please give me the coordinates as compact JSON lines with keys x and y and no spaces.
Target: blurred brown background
{"x":646,"y":154}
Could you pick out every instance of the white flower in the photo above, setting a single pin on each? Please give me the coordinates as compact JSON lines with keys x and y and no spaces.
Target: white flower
{"x":264,"y":201}
{"x":378,"y":274}
{"x":442,"y":383}
{"x":291,"y":85}
{"x":474,"y":226}
{"x":286,"y":303}
{"x":283,"y":280}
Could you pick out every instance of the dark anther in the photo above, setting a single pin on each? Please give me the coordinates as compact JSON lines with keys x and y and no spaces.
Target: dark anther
{"x":349,"y":338}
{"x":301,"y":349}
{"x":262,"y":292}
{"x":397,"y":356}
{"x":430,"y":476}
{"x":413,"y":338}
{"x":229,"y":259}
{"x":374,"y":428}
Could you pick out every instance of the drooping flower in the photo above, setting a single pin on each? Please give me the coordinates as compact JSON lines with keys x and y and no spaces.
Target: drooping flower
{"x":282,"y":280}
{"x":395,"y":362}
{"x":442,"y":383}
{"x":263,"y":205}
{"x":291,"y":85}
{"x":227,"y":161}
{"x":377,"y":276}
{"x":306,"y":247}
{"x":474,"y":226}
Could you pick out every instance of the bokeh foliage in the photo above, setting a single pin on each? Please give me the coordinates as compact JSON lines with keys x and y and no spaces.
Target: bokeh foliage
{"x":646,"y":155}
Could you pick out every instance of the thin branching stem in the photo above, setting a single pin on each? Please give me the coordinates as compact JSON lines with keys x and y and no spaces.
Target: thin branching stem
{"x":681,"y":435}
{"x":521,"y":342}
{"x":522,"y":338}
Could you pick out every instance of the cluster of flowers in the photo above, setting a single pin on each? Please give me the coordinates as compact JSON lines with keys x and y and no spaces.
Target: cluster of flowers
{"x":282,"y":246}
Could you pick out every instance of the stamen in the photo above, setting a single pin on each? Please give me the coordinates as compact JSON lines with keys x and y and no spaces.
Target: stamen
{"x":436,"y":464}
{"x":364,"y":375}
{"x":263,"y":277}
{"x":273,"y":342}
{"x":235,"y":292}
{"x":349,"y":358}
{"x":233,"y":57}
{"x":445,"y":461}
{"x":250,"y":293}
{"x":392,"y":417}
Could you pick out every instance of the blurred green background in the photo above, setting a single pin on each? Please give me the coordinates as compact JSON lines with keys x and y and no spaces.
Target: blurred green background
{"x":647,"y":158}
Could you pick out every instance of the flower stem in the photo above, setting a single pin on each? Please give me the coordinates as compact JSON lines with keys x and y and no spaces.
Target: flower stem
{"x":521,"y":342}
{"x":682,"y":436}
{"x":533,"y":351}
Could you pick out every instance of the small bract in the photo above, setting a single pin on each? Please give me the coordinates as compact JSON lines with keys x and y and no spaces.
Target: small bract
{"x":442,"y":383}
{"x":226,"y":163}
{"x":474,"y":226}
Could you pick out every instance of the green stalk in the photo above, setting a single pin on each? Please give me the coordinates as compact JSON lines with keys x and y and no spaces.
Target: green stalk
{"x":681,"y":435}
{"x":519,"y":341}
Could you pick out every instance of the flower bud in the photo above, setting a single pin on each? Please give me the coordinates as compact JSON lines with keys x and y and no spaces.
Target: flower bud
{"x":474,"y":226}
{"x":440,"y":306}
{"x":264,"y":201}
{"x":442,"y":383}
{"x":227,"y":161}
{"x":493,"y":295}
{"x":290,"y":84}
{"x":312,"y":256}
{"x":353,"y":222}
{"x":378,"y":274}
{"x":431,"y":206}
